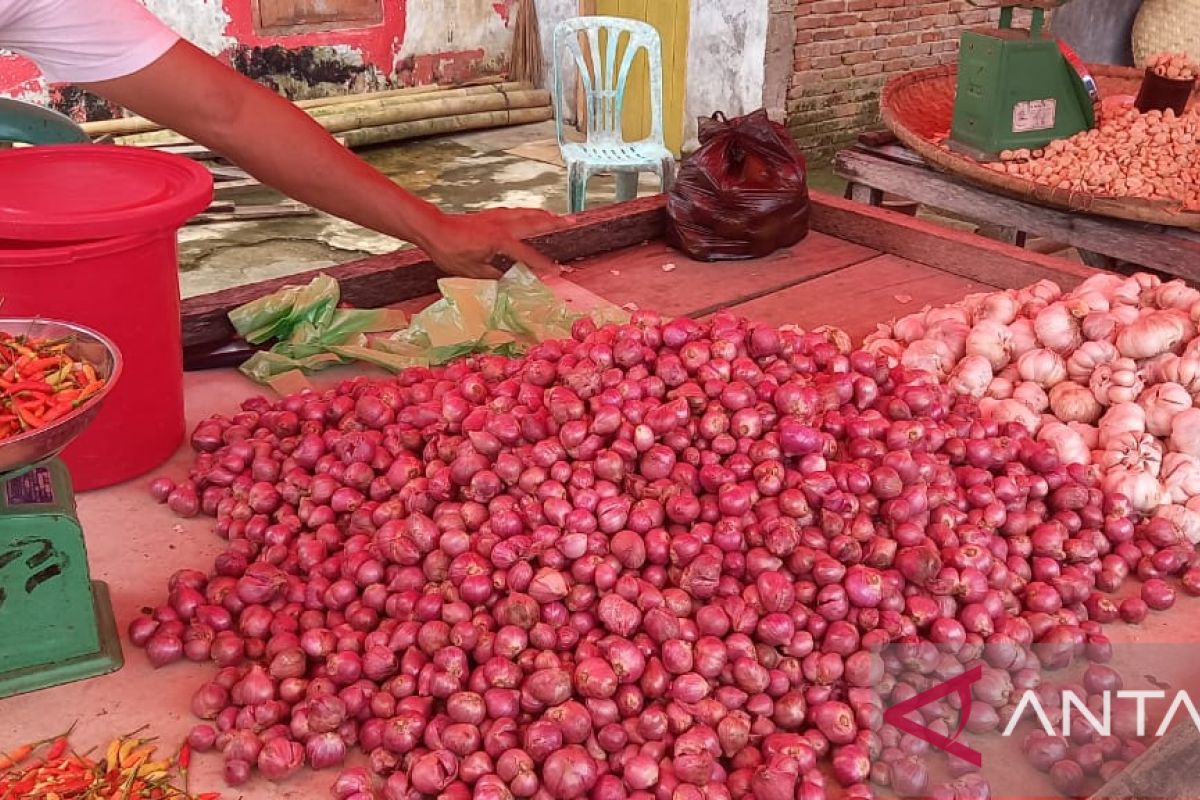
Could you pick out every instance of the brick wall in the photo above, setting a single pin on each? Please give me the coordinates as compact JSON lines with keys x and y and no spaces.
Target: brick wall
{"x":847,"y":49}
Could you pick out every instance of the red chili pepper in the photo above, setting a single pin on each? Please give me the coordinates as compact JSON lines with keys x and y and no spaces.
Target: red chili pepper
{"x":31,"y":386}
{"x":57,"y":749}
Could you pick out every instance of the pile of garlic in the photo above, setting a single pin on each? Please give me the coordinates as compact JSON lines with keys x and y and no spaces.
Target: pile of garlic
{"x":1173,"y":66}
{"x":1108,"y":375}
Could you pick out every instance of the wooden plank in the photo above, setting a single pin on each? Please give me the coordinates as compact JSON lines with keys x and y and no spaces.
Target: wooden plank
{"x":244,"y":213}
{"x":224,"y":186}
{"x":860,"y":296}
{"x":957,"y":252}
{"x":695,"y":288}
{"x":224,"y":173}
{"x":1171,"y":250}
{"x":406,"y":274}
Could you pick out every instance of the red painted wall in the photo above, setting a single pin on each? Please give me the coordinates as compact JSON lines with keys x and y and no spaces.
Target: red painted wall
{"x":377,"y":45}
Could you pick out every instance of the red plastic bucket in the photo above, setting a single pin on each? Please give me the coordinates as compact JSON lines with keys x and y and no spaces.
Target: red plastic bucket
{"x":88,"y":234}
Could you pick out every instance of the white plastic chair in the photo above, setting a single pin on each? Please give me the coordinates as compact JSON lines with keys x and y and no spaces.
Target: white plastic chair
{"x":604,"y":83}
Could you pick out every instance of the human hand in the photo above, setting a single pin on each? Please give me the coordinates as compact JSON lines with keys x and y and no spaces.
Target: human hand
{"x":465,"y":244}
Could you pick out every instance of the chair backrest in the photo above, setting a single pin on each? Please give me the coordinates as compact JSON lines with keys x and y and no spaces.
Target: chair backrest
{"x":604,"y":69}
{"x":32,"y":124}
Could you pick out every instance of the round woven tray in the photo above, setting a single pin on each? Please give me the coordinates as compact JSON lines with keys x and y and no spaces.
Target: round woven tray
{"x":918,"y":108}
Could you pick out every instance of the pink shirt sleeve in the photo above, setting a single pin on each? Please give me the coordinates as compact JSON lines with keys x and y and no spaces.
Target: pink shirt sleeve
{"x":79,"y":41}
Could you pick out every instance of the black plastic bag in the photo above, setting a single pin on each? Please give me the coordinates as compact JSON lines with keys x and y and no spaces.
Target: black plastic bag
{"x":742,"y":194}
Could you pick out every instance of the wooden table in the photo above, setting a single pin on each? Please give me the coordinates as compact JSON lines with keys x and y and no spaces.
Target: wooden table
{"x":892,"y":168}
{"x":858,"y":267}
{"x":850,"y":271}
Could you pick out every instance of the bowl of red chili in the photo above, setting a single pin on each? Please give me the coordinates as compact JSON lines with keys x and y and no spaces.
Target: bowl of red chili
{"x":54,"y":376}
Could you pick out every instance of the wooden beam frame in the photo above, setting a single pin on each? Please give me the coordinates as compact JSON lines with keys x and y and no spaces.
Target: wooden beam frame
{"x":407,"y":274}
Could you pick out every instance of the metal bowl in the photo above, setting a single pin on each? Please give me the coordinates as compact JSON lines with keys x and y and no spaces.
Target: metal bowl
{"x":36,"y":445}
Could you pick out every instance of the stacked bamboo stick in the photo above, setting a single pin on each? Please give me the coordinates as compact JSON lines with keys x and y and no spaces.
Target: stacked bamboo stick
{"x":376,"y":118}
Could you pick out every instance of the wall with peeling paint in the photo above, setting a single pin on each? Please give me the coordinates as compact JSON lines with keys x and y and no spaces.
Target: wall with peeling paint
{"x":417,"y":42}
{"x":727,"y":51}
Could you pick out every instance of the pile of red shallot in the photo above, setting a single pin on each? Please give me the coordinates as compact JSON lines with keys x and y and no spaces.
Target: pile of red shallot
{"x":658,"y":561}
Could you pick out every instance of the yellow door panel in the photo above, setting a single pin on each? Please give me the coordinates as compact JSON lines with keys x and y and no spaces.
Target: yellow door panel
{"x":671,"y":19}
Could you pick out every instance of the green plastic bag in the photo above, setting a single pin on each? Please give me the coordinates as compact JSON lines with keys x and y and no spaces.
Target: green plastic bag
{"x":502,"y":317}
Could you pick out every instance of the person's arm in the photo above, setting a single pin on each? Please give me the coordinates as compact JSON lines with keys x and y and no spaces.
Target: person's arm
{"x":188,"y":91}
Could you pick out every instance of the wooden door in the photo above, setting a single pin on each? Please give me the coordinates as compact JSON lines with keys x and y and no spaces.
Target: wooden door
{"x":671,"y":19}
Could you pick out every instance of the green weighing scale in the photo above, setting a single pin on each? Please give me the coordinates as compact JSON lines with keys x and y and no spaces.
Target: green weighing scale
{"x":1018,"y":89}
{"x":56,"y":623}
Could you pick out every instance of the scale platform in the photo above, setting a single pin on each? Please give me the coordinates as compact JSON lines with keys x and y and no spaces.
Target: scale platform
{"x":56,"y":623}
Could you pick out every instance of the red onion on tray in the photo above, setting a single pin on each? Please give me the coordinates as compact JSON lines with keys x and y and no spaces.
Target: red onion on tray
{"x":622,"y":565}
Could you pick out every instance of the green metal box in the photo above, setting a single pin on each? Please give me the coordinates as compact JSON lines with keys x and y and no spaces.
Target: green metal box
{"x":56,"y":624}
{"x":1015,"y":90}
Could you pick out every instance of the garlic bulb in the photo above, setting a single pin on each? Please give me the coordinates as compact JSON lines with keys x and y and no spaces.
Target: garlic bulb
{"x":1185,"y":432}
{"x":929,"y":356}
{"x":890,"y":350}
{"x":1089,"y":433}
{"x":1193,"y":347}
{"x":1057,"y":328}
{"x":1104,"y":283}
{"x":952,"y":333}
{"x":954,"y":313}
{"x":1045,"y":290}
{"x":909,"y":329}
{"x":1083,"y":362}
{"x":1139,"y":451}
{"x":998,"y":307}
{"x":1126,"y":315}
{"x":1031,"y":395}
{"x":1173,"y":294}
{"x":1184,"y":371}
{"x":1184,"y":518}
{"x":1142,"y":488}
{"x":1116,"y":382}
{"x":1157,"y":332}
{"x":1152,"y":368}
{"x":971,"y":377}
{"x":1147,"y":281}
{"x":1067,"y":443}
{"x":1005,"y":411}
{"x":1000,"y":388}
{"x":1121,"y":419}
{"x":1100,"y":327}
{"x":1024,"y":338}
{"x":1180,"y":476}
{"x":1162,"y":403}
{"x":1084,"y":303}
{"x":1071,"y":402}
{"x":993,"y":341}
{"x":1043,"y":367}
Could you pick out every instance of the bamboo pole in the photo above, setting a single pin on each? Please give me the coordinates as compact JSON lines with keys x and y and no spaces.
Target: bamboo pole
{"x":451,"y":107}
{"x":408,"y":91}
{"x":389,"y":102}
{"x":404,"y":109}
{"x":417,"y":129}
{"x":129,"y":126}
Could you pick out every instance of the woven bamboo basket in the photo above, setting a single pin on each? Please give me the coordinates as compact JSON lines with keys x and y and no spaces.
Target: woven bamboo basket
{"x":918,"y":108}
{"x":1166,"y":26}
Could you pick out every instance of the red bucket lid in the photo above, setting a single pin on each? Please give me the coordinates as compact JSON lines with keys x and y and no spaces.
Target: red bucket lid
{"x":81,"y":192}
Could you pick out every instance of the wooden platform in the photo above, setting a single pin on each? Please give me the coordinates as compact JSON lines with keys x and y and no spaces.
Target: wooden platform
{"x":872,"y":170}
{"x":860,"y":266}
{"x":892,"y":263}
